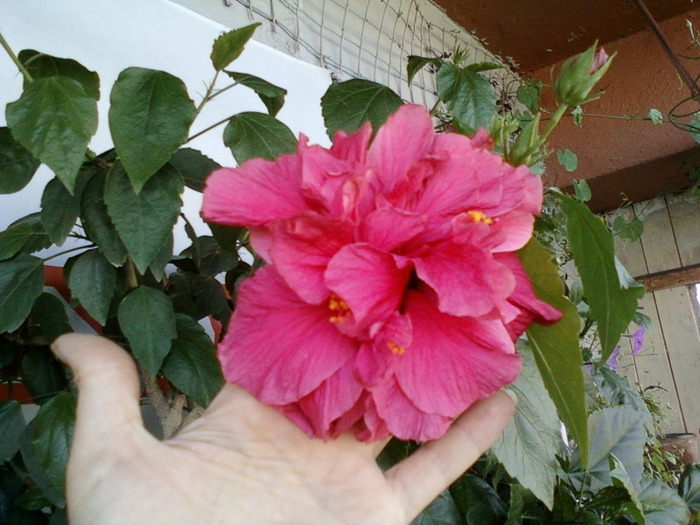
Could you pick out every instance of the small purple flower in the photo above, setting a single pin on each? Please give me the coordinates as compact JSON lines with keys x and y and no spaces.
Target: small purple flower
{"x":638,"y":340}
{"x":612,"y":360}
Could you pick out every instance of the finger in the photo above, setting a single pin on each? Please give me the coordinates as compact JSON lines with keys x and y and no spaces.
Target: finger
{"x":422,"y":476}
{"x":108,"y":385}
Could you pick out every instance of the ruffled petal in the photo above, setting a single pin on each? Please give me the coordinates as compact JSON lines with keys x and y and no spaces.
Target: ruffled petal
{"x":453,"y":362}
{"x":278,"y":347}
{"x":388,"y":228}
{"x":466,"y":278}
{"x":375,"y":360}
{"x":255,"y":193}
{"x":316,"y":412}
{"x":367,"y":280}
{"x":301,"y":248}
{"x":352,"y":147}
{"x":404,"y":419}
{"x":406,"y":137}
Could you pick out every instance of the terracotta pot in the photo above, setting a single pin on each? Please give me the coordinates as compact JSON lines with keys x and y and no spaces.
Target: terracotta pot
{"x":683,"y":446}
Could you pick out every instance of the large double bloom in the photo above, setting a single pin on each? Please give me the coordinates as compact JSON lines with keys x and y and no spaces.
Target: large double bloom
{"x":392,"y":294}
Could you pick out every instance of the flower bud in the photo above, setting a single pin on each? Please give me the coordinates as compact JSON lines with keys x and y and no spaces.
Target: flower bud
{"x":580,"y":74}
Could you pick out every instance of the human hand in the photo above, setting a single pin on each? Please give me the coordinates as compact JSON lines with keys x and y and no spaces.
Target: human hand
{"x":242,"y":462}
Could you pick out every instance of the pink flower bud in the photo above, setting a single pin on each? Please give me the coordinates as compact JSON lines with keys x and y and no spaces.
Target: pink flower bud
{"x":599,"y":59}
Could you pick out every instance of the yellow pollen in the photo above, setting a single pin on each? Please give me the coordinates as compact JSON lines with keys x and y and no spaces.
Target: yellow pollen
{"x":477,"y":216}
{"x":398,"y":350}
{"x":339,"y":308}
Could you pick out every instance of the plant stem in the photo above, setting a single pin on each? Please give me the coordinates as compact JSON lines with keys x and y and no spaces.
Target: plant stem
{"x":131,"y":279}
{"x":207,"y":96}
{"x":77,"y":248}
{"x":223,"y":121}
{"x":14,"y":58}
{"x":553,"y":121}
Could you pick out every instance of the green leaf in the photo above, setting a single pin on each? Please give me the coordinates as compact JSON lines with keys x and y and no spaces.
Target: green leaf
{"x":477,"y":67}
{"x":347,"y":105}
{"x":35,"y":471}
{"x":21,"y":282}
{"x":582,"y":190}
{"x":478,"y":501}
{"x":688,"y":486}
{"x":60,"y":209}
{"x":144,"y":221}
{"x":97,"y":222}
{"x":525,"y":448}
{"x":53,"y":433}
{"x":655,"y":116}
{"x":33,"y":499}
{"x":149,"y":118}
{"x":17,"y":165}
{"x":147,"y":320}
{"x":24,"y":235}
{"x":49,"y":314}
{"x":442,"y":511}
{"x":619,"y":431}
{"x":91,"y":281}
{"x":612,"y":303}
{"x":250,"y":134}
{"x":42,"y":374}
{"x":209,"y":257}
{"x":226,"y":236}
{"x":196,"y":295}
{"x":468,"y":96}
{"x":556,"y":347}
{"x":662,"y":506}
{"x":54,"y":119}
{"x":192,"y":365}
{"x":577,"y":115}
{"x":39,"y":65}
{"x":416,"y":63}
{"x":567,"y":159}
{"x":272,"y":96}
{"x":628,"y":231}
{"x":528,"y":94}
{"x":11,"y":429}
{"x":229,"y":46}
{"x":162,"y":258}
{"x":193,"y":166}
{"x":620,"y":478}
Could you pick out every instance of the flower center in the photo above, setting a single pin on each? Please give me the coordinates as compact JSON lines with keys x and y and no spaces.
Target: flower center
{"x":477,"y":216}
{"x":398,"y":350}
{"x":339,"y":309}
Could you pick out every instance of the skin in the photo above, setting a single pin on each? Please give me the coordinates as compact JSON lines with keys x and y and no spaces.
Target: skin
{"x":242,"y":462}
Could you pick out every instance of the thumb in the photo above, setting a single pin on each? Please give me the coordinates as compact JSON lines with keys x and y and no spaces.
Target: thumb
{"x":108,"y":386}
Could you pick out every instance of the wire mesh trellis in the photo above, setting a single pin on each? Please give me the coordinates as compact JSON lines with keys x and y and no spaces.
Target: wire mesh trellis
{"x":369,"y":39}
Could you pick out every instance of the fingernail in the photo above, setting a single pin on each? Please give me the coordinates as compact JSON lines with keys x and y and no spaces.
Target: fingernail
{"x":511,"y":394}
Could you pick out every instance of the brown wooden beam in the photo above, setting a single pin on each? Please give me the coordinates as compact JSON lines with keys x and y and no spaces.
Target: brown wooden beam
{"x":670,"y":278}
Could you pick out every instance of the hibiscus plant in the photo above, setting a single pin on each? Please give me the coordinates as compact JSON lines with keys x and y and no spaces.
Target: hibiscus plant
{"x":401,"y":258}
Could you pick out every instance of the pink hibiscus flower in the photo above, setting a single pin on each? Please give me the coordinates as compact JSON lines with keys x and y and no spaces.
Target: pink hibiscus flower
{"x":392,"y":294}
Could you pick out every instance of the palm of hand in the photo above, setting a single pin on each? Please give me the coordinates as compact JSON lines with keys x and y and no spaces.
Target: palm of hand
{"x":242,"y":462}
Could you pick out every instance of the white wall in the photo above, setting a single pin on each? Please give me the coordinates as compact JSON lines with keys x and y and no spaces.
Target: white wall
{"x":109,"y":35}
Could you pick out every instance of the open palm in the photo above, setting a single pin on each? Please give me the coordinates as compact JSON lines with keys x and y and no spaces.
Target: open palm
{"x":242,"y":462}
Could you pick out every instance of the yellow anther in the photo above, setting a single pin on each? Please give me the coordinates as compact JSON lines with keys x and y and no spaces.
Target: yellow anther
{"x":477,"y":216}
{"x":398,"y":350}
{"x":339,"y":308}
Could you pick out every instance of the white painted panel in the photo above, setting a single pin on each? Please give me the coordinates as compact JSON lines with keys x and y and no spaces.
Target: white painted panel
{"x":658,"y":242}
{"x":684,"y":210}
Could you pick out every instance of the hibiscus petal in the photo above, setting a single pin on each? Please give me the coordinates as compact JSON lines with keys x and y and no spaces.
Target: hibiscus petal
{"x":516,"y":228}
{"x":277,"y":347}
{"x":255,"y":193}
{"x":466,"y":278}
{"x":453,"y":362}
{"x":367,"y":280}
{"x":403,"y":419}
{"x":406,"y":137}
{"x":301,"y":248}
{"x":388,"y":228}
{"x":333,"y":398}
{"x":352,"y":147}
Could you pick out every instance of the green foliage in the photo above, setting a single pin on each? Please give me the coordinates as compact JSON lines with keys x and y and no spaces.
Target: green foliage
{"x":347,"y":105}
{"x":92,"y":281}
{"x":689,"y":487}
{"x":11,"y":429}
{"x":525,"y":447}
{"x":468,"y":96}
{"x":556,"y":347}
{"x":528,"y":94}
{"x":149,"y":117}
{"x":442,"y":511}
{"x":229,"y":46}
{"x":250,"y":134}
{"x":612,"y":299}
{"x":582,"y":191}
{"x":628,"y":231}
{"x":147,"y":320}
{"x":54,"y":119}
{"x":193,"y":166}
{"x":40,"y":65}
{"x":655,"y":116}
{"x":21,"y":282}
{"x":24,"y":235}
{"x":49,"y":316}
{"x":17,"y":165}
{"x":272,"y":96}
{"x":415,"y":63}
{"x":567,"y":159}
{"x":661,"y":504}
